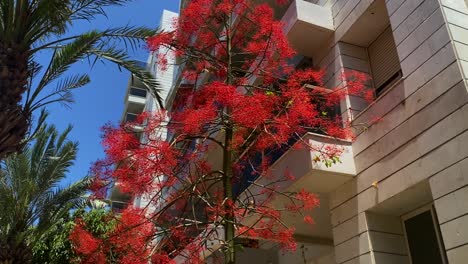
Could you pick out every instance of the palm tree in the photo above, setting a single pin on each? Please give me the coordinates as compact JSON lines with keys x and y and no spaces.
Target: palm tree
{"x":31,"y":199}
{"x":31,"y":26}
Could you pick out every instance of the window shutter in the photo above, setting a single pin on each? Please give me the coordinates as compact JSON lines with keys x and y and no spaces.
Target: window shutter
{"x":383,"y":58}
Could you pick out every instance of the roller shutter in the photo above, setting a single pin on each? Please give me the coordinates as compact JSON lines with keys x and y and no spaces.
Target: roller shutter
{"x":384,"y":61}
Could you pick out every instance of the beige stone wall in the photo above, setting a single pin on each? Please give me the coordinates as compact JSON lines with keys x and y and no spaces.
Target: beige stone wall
{"x":422,"y":140}
{"x":370,"y":236}
{"x":450,"y":191}
{"x":456,"y":17}
{"x":308,"y":254}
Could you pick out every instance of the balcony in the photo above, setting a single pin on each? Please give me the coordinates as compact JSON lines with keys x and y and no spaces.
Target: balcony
{"x":314,"y":177}
{"x":134,"y":103}
{"x":119,"y":200}
{"x":136,"y":96}
{"x":307,"y":26}
{"x":311,"y":175}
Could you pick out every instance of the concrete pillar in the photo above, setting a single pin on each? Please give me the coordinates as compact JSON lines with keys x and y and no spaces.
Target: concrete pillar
{"x":456,"y":18}
{"x":450,"y":191}
{"x":352,"y":59}
{"x":370,"y":238}
{"x":387,"y":240}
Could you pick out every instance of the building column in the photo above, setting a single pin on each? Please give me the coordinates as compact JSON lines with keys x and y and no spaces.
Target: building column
{"x":338,"y":60}
{"x":370,"y":238}
{"x":456,"y":18}
{"x":450,"y":191}
{"x":352,"y":58}
{"x":387,"y":240}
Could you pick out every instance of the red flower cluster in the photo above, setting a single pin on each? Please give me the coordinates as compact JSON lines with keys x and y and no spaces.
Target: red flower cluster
{"x":86,"y":244}
{"x":127,"y":243}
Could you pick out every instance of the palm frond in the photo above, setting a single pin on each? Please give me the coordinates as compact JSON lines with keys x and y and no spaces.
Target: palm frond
{"x":29,"y":186}
{"x":121,"y":58}
{"x":7,"y":16}
{"x":89,"y":9}
{"x":63,"y":91}
{"x":39,"y":125}
{"x":130,"y":36}
{"x":102,"y":45}
{"x":63,"y":58}
{"x":58,"y":203}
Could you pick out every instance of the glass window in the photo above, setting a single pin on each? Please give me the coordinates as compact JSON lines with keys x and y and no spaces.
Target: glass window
{"x":138,"y":92}
{"x":130,"y":117}
{"x":118,"y":207}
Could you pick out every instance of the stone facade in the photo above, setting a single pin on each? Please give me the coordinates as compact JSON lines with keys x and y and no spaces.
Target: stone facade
{"x":416,"y":156}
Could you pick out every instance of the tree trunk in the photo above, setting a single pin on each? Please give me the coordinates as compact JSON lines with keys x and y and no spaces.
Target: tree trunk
{"x":14,"y":122}
{"x":229,"y":255}
{"x":20,"y":254}
{"x":229,"y":232}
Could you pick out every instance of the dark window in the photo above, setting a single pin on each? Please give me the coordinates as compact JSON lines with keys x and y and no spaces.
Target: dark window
{"x":387,"y":84}
{"x":422,"y":234}
{"x":304,"y":63}
{"x":138,"y":92}
{"x":130,"y":117}
{"x":118,"y":207}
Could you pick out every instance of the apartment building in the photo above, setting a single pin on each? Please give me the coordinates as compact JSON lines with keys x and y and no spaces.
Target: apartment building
{"x":399,"y":195}
{"x":137,"y":100}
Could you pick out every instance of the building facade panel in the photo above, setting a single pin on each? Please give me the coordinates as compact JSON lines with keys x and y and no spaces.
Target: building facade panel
{"x":424,"y":120}
{"x":458,"y":255}
{"x":423,"y":97}
{"x":415,"y":127}
{"x":423,"y":30}
{"x":452,"y":205}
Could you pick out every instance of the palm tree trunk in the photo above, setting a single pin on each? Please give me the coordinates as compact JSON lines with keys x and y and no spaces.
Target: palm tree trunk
{"x":10,"y":254}
{"x":14,"y":122}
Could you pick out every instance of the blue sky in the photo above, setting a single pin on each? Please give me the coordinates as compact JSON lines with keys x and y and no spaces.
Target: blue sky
{"x":101,"y":101}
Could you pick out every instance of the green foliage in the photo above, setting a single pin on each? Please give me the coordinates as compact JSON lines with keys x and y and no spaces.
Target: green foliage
{"x":98,"y":221}
{"x":331,"y":161}
{"x":30,"y":189}
{"x":55,"y":247}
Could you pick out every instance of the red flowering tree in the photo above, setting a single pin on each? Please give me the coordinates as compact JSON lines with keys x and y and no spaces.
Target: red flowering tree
{"x":112,"y":239}
{"x":204,"y":165}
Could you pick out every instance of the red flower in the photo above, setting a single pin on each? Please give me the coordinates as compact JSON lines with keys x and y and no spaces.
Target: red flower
{"x":309,"y":220}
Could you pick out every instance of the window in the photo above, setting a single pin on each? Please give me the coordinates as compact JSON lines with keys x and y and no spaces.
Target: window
{"x":118,"y":207}
{"x":304,"y":63}
{"x":138,"y":92}
{"x":384,"y":61}
{"x":130,"y":117}
{"x":423,"y":237}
